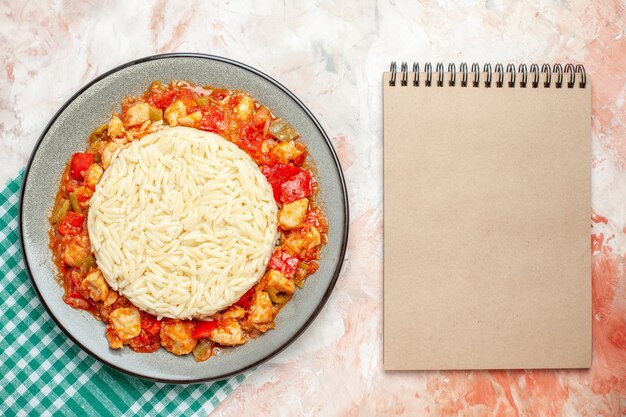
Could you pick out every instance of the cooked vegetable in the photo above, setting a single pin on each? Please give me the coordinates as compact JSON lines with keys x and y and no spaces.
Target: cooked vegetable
{"x":277,"y":175}
{"x":277,"y":297}
{"x":150,"y":323}
{"x":60,"y":211}
{"x":283,"y":262}
{"x":246,"y":300}
{"x":81,"y":161}
{"x":299,"y":186}
{"x":72,"y":224}
{"x":74,"y":202}
{"x":301,"y":273}
{"x":203,"y":350}
{"x":204,"y":328}
{"x":89,"y":262}
{"x":283,"y":131}
{"x":99,"y":131}
{"x":202,"y":101}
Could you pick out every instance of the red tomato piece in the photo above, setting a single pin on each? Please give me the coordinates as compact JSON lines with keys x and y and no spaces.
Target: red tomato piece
{"x":204,"y":328}
{"x":81,"y":161}
{"x":299,"y":186}
{"x":162,"y":99}
{"x":219,"y":95}
{"x":146,"y":342}
{"x":277,"y":174}
{"x":246,"y":300}
{"x":284,"y":263}
{"x":150,"y":323}
{"x":212,"y":119}
{"x":300,"y":159}
{"x":250,"y":140}
{"x":72,"y":224}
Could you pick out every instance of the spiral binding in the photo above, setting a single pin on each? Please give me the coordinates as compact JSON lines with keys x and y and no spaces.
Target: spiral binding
{"x":502,"y":76}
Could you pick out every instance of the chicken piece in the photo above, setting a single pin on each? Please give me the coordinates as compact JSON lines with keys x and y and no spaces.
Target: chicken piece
{"x":286,"y":152}
{"x":244,"y":109}
{"x":312,"y":238}
{"x":234,"y":312}
{"x":111,"y":298}
{"x":114,"y":341}
{"x":190,"y":120}
{"x":302,"y":241}
{"x":292,"y":215}
{"x":126,"y":322}
{"x":107,"y":153}
{"x":174,"y":111}
{"x":83,"y":194}
{"x":116,"y":127}
{"x":262,"y":116}
{"x":94,"y":173}
{"x":137,"y":114}
{"x":228,"y":333}
{"x":279,"y":283}
{"x":176,"y":336}
{"x":77,"y":251}
{"x":262,"y":310}
{"x":96,"y":286}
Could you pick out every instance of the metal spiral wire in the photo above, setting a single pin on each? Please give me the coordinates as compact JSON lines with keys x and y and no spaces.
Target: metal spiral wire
{"x":533,"y":77}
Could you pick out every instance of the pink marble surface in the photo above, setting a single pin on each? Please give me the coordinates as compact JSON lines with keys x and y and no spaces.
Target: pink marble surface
{"x":331,"y":54}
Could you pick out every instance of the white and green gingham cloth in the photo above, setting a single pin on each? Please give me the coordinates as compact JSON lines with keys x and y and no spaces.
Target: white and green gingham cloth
{"x":43,"y":373}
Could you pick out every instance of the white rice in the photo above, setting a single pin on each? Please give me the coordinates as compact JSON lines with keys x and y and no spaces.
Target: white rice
{"x":182,"y":223}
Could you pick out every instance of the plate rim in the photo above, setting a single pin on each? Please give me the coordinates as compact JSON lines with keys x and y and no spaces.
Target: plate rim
{"x":335,"y":159}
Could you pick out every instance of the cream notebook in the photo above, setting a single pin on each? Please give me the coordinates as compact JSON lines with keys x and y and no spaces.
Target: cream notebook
{"x":487,"y":205}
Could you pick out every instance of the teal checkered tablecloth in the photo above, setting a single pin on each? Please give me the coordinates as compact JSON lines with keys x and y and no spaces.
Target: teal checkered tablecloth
{"x":43,"y":373}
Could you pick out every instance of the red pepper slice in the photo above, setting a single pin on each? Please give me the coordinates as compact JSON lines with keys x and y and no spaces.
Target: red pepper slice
{"x":285,"y":263}
{"x":246,"y":300}
{"x":297,"y":187}
{"x":204,"y":328}
{"x":81,"y":161}
{"x":72,"y":224}
{"x":277,"y":174}
{"x":76,"y":300}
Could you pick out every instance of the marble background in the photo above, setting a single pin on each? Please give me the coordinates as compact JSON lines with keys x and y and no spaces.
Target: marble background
{"x":331,"y":54}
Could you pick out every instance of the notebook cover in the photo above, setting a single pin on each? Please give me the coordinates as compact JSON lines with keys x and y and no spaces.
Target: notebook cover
{"x":487,"y":196}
